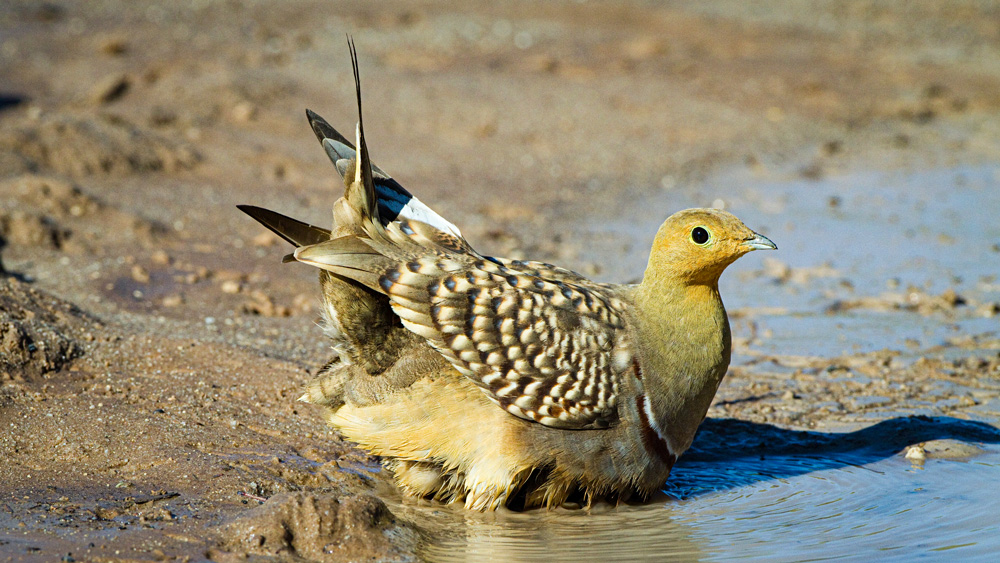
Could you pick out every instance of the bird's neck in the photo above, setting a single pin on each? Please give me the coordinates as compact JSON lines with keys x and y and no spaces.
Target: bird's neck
{"x":685,"y":346}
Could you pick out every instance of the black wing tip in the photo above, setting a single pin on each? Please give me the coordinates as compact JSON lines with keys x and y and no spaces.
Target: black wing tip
{"x":316,"y":123}
{"x":259,"y":214}
{"x":250,"y":209}
{"x":265,"y":217}
{"x":322,"y":129}
{"x":292,"y":231}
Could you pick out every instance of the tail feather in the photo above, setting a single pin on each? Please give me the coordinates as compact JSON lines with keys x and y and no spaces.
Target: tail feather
{"x":291,"y":230}
{"x":338,"y":148}
{"x":363,"y":185}
{"x":392,"y":201}
{"x":362,"y":249}
{"x":378,"y":225}
{"x":324,"y":131}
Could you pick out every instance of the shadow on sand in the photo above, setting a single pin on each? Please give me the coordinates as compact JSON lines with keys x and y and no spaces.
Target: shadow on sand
{"x":729,"y":453}
{"x":9,"y":101}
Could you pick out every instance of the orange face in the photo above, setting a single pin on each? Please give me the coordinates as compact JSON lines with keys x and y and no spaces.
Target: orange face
{"x":696,"y":245}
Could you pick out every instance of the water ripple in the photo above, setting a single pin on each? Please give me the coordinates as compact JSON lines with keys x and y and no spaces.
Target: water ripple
{"x":845,"y":498}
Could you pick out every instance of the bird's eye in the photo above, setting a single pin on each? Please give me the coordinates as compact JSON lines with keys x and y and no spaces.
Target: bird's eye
{"x":699,"y":235}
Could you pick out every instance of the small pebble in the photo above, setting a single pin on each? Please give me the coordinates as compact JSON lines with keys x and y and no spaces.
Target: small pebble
{"x":916,"y":453}
{"x":243,"y":112}
{"x":160,"y":258}
{"x":230,"y":286}
{"x":114,"y":46}
{"x":140,"y":274}
{"x":109,"y":88}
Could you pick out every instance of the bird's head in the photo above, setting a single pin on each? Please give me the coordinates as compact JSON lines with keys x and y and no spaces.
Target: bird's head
{"x":694,"y":246}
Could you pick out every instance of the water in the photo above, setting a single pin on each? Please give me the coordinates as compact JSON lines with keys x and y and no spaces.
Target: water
{"x":857,"y":235}
{"x":880,"y":510}
{"x":757,"y":492}
{"x":768,"y":494}
{"x":827,"y":514}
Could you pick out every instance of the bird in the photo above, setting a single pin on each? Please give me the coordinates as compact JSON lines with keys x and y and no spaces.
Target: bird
{"x":495,"y":382}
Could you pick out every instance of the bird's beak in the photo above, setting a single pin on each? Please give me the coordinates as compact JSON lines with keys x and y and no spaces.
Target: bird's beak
{"x":759,"y":242}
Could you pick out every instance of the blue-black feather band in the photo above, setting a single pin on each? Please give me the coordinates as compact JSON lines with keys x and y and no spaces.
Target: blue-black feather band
{"x":392,"y":198}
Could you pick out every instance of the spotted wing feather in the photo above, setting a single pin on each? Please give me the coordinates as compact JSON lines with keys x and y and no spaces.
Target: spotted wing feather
{"x":544,"y":348}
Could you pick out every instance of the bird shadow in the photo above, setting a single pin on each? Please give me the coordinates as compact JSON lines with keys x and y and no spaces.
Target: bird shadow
{"x":730,"y":453}
{"x":9,"y":101}
{"x":5,"y":273}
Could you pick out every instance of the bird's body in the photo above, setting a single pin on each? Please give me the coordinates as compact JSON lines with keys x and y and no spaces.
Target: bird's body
{"x":494,"y":381}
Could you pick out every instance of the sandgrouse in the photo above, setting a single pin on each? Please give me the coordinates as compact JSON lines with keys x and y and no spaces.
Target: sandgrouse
{"x":495,"y":382}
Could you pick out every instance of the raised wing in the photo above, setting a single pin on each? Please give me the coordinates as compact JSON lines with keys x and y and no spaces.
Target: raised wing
{"x":543,"y":342}
{"x":394,"y":201}
{"x":548,"y":349}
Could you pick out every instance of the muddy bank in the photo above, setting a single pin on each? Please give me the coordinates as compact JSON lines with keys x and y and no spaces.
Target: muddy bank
{"x":152,"y":346}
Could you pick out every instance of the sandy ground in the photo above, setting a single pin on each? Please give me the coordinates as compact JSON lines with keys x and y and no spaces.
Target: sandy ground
{"x":152,"y":345}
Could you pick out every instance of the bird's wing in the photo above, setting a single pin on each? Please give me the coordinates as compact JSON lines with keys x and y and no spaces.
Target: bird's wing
{"x":542,"y":269}
{"x":543,"y":348}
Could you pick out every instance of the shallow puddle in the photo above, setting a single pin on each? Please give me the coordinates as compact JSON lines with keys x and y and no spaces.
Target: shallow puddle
{"x":783,"y":508}
{"x":890,"y":507}
{"x":804,"y":496}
